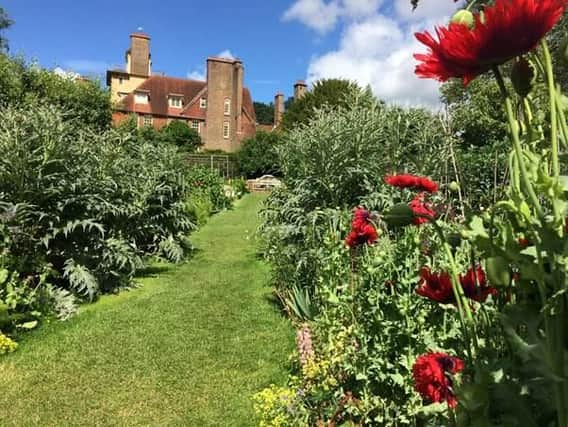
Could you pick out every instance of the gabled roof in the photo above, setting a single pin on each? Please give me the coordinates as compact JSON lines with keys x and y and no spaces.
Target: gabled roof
{"x":160,"y":87}
{"x":248,"y":106}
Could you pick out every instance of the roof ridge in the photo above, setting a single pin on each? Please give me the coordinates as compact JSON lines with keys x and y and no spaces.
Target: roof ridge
{"x":176,"y":78}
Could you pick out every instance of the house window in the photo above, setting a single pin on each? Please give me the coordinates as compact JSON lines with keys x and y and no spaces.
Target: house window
{"x":195,"y":125}
{"x":226,"y":130}
{"x":175,"y":101}
{"x":202,"y":103}
{"x":147,"y":120}
{"x":141,"y":98}
{"x":227,"y":107}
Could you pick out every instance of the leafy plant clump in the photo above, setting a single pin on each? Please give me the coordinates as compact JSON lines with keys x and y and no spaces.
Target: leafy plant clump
{"x":424,"y":311}
{"x":81,"y":209}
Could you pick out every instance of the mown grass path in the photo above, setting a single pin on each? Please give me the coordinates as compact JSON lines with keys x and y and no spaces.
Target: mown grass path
{"x":189,"y":348}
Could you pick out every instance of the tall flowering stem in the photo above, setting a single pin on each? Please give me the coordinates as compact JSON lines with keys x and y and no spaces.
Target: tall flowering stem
{"x":464,"y":309}
{"x":514,"y":132}
{"x":553,"y":112}
{"x":553,"y":324}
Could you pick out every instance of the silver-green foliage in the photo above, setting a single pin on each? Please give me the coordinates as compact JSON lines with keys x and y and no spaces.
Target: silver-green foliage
{"x":90,"y":204}
{"x":343,"y":154}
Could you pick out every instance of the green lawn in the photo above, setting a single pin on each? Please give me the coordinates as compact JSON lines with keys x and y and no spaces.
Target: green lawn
{"x":189,"y":348}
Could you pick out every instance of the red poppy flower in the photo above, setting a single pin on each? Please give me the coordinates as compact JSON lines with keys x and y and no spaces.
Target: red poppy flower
{"x":418,"y":183}
{"x":431,"y":379}
{"x":436,"y":286}
{"x":523,"y":242}
{"x":362,"y":230}
{"x":420,"y":207}
{"x":508,"y":28}
{"x":475,"y":286}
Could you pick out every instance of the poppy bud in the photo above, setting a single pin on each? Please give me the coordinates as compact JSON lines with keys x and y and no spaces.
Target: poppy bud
{"x":399,"y":215}
{"x":454,"y":186}
{"x":464,"y":17}
{"x":522,"y":77}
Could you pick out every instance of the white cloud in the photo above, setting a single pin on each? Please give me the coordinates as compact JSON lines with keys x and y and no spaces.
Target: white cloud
{"x":316,"y":14}
{"x":226,"y":54}
{"x":377,"y":49}
{"x":197,"y":75}
{"x":87,"y":66}
{"x":360,"y":8}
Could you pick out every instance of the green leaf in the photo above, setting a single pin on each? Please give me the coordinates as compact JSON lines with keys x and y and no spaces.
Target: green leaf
{"x":3,"y":275}
{"x":28,"y":325}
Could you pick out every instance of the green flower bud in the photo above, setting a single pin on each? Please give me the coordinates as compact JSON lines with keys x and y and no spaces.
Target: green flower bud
{"x":523,"y":77}
{"x":399,"y":215}
{"x":463,"y":17}
{"x":454,"y":186}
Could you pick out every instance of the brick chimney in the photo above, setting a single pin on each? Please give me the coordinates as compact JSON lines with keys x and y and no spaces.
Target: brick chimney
{"x":278,"y":108}
{"x":299,"y":89}
{"x":224,"y":103}
{"x":138,"y":56}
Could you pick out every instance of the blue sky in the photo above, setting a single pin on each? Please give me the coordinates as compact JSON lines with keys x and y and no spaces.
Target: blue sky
{"x":279,"y":41}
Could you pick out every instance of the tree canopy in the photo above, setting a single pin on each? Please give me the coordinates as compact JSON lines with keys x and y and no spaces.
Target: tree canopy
{"x":181,"y":135}
{"x":84,"y":100}
{"x":258,"y":156}
{"x":264,"y":113}
{"x":5,"y":22}
{"x":330,"y":93}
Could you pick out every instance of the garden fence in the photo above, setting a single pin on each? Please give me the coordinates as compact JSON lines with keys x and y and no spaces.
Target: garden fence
{"x":225,"y":165}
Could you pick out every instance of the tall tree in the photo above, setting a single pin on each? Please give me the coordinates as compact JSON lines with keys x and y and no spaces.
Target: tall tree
{"x":5,"y":22}
{"x":326,"y":93}
{"x":264,"y":113}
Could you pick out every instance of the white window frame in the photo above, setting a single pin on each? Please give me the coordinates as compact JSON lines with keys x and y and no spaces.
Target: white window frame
{"x":202,"y":103}
{"x":175,"y":101}
{"x":141,"y":97}
{"x":198,"y":127}
{"x":147,"y":120}
{"x":226,"y":130}
{"x":227,"y":107}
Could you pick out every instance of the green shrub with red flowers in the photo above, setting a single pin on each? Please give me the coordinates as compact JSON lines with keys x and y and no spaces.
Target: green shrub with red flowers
{"x":424,"y":316}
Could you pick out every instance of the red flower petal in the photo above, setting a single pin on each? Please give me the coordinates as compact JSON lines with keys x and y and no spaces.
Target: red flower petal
{"x":418,"y":183}
{"x":509,"y":28}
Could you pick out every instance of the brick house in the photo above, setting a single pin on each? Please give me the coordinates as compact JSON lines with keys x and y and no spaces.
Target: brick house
{"x":220,"y":108}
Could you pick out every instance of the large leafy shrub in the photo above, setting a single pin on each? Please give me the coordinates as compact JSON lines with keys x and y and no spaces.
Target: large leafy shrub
{"x":24,"y":84}
{"x":257,"y":155}
{"x":88,"y":205}
{"x":181,"y":135}
{"x":367,"y":324}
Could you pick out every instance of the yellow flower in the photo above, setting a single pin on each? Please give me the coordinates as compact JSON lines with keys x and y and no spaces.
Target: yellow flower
{"x":6,"y":344}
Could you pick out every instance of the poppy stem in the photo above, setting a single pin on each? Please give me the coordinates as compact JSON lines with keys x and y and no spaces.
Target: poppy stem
{"x":514,"y":132}
{"x":553,"y":119}
{"x":461,"y":300}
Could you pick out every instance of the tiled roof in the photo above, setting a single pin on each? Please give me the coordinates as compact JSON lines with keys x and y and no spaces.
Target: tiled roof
{"x":159,"y":87}
{"x":248,"y":106}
